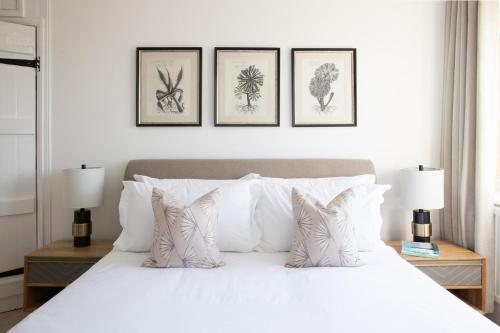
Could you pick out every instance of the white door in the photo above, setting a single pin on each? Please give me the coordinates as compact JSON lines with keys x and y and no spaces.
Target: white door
{"x":17,"y":157}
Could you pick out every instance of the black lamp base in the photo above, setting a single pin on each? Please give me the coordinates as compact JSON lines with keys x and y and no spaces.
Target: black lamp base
{"x":82,"y":228}
{"x":81,"y":241}
{"x":421,"y":226}
{"x":421,"y":239}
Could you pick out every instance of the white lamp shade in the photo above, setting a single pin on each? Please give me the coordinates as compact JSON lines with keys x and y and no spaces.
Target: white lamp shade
{"x":83,"y":188}
{"x":422,"y":189}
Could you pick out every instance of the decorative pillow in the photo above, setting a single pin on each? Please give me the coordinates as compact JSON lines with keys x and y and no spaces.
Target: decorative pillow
{"x":274,"y":214}
{"x":324,"y":236}
{"x":237,"y":230}
{"x":184,"y":236}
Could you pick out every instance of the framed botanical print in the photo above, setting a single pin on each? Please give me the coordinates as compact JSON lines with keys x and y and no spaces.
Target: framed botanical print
{"x":324,"y":87}
{"x":247,"y":85}
{"x":168,"y":86}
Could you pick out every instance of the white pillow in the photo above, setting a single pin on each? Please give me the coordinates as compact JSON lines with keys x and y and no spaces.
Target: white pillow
{"x":136,"y":218}
{"x":236,"y":230}
{"x":364,"y":212}
{"x":274,"y":215}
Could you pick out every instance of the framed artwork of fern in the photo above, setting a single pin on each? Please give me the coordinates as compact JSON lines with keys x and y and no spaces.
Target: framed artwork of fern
{"x":168,"y":86}
{"x":247,"y":85}
{"x":323,"y":87}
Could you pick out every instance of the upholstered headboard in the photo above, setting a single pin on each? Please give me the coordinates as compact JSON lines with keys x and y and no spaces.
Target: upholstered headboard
{"x":236,"y":168}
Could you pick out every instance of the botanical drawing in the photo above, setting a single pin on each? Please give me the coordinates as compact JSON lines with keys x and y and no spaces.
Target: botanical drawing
{"x":170,"y":99}
{"x":249,"y":82}
{"x":321,"y":84}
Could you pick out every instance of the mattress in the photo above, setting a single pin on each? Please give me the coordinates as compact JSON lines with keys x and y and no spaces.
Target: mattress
{"x":254,"y":292}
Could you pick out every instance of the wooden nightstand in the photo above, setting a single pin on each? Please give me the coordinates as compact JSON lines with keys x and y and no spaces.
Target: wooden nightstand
{"x":459,"y":270}
{"x":48,"y":270}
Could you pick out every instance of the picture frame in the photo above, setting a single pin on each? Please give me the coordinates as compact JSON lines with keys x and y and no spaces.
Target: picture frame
{"x":168,"y":86}
{"x":324,"y":87}
{"x":247,"y":86}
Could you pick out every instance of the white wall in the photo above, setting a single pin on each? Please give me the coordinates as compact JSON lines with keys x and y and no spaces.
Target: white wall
{"x":93,"y":43}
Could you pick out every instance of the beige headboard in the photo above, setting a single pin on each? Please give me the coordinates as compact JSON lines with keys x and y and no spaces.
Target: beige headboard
{"x":236,"y":168}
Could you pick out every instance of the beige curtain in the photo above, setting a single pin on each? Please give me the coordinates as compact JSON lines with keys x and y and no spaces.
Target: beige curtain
{"x":468,"y":152}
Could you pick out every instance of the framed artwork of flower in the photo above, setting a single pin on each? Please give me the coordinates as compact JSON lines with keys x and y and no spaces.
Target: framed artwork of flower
{"x":323,"y":87}
{"x":247,"y":85}
{"x":168,"y":86}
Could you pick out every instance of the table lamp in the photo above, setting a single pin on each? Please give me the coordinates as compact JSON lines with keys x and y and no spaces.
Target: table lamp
{"x":422,"y":189}
{"x":83,"y":189}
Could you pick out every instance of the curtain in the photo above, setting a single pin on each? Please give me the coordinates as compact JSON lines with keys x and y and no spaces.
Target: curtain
{"x":468,"y":146}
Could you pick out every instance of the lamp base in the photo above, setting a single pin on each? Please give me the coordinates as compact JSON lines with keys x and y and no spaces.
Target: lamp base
{"x":421,"y":239}
{"x":421,"y":226}
{"x":82,"y":228}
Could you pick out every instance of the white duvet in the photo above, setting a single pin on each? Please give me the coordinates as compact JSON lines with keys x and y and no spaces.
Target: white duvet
{"x":254,"y":292}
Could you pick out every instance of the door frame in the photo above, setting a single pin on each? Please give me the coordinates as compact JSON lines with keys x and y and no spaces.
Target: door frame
{"x":43,"y":134}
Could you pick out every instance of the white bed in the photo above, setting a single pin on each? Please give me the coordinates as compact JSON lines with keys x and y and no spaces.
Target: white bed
{"x":254,"y":292}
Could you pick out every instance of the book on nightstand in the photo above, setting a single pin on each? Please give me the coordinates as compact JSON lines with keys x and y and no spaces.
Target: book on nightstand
{"x":418,"y":249}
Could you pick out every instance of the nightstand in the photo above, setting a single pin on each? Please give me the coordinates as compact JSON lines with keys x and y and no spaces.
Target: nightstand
{"x":459,"y":270}
{"x":49,"y":269}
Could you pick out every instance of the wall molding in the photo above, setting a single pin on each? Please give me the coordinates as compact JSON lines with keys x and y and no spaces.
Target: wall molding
{"x":17,"y":11}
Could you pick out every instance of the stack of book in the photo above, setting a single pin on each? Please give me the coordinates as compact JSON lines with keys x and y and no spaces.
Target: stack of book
{"x":417,"y":249}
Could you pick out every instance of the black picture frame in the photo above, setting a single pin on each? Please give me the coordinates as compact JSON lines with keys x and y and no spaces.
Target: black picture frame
{"x":354,"y":88}
{"x":216,"y":86}
{"x":139,"y":51}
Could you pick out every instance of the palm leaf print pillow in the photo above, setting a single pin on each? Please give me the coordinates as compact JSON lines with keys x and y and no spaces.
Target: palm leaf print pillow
{"x":324,"y":235}
{"x":184,"y":236}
